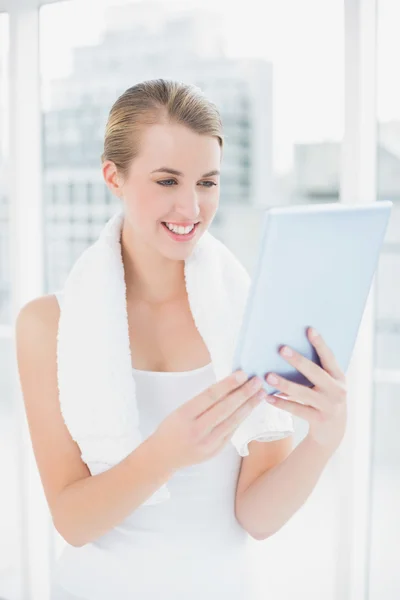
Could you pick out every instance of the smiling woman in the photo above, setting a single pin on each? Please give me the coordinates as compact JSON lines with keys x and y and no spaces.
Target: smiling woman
{"x":166,"y":287}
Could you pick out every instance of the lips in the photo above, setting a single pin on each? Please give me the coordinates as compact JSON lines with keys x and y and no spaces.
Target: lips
{"x":180,"y":237}
{"x":180,"y":224}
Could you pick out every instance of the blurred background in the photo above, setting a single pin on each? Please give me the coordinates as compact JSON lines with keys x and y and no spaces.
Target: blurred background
{"x":310,"y":103}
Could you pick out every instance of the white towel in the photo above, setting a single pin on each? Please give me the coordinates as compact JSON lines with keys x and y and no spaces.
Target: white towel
{"x":95,"y":377}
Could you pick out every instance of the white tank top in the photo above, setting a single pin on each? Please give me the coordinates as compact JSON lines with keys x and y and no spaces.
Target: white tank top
{"x":190,"y":546}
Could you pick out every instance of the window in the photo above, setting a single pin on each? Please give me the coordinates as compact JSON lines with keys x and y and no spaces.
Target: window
{"x":275,"y":70}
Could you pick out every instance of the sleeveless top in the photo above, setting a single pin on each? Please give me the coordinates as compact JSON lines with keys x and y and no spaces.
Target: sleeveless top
{"x":189,"y":547}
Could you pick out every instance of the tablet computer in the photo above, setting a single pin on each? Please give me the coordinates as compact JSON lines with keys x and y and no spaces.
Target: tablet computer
{"x":315,"y":267}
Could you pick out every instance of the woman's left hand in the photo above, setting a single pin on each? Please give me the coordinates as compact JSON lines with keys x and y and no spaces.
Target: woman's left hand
{"x":325,"y":405}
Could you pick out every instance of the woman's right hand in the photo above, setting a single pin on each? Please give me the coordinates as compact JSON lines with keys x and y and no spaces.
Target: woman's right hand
{"x":199,"y":428}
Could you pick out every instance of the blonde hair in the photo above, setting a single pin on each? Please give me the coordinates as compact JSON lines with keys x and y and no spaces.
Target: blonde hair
{"x":156,"y":101}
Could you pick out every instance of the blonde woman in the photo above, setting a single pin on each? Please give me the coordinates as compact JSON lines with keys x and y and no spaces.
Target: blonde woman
{"x":162,"y":158}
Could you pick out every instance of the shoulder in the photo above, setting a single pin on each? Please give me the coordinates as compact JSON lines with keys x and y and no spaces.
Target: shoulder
{"x":38,"y":318}
{"x":38,"y":308}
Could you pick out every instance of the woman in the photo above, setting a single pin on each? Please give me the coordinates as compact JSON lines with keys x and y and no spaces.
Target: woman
{"x":162,"y":155}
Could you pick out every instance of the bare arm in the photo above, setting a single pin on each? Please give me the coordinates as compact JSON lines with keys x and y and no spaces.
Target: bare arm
{"x":91,"y":506}
{"x":276,"y":495}
{"x":83,"y":507}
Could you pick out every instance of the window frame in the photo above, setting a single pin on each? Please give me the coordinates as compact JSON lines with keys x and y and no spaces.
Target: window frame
{"x":357,"y":185}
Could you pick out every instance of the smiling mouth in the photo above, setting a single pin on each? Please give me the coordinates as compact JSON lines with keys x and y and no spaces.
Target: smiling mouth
{"x":181,"y":235}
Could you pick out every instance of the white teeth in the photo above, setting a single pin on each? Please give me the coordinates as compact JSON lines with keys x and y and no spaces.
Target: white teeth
{"x":179,"y":229}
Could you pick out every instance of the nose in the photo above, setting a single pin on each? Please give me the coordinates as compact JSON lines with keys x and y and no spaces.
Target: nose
{"x":188,"y":206}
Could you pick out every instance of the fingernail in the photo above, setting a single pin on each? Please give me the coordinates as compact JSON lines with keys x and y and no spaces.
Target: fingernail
{"x":272,"y":379}
{"x":287,"y":351}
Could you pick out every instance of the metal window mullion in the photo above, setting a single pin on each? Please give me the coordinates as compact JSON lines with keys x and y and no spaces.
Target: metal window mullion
{"x":26,"y":255}
{"x":9,"y":5}
{"x":358,"y":186}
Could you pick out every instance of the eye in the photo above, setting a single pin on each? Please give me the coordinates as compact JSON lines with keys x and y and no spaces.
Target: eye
{"x":167,"y":183}
{"x":164,"y":182}
{"x":210,"y":182}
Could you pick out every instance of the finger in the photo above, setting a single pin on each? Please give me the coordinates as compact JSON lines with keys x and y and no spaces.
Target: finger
{"x":313,"y":372}
{"x":228,"y":405}
{"x":203,"y":401}
{"x":327,"y":357}
{"x":308,"y":413}
{"x":299,"y":392}
{"x":225,"y":429}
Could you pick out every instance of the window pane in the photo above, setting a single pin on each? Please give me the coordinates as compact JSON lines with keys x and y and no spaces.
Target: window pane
{"x":384,"y":577}
{"x":281,"y":103}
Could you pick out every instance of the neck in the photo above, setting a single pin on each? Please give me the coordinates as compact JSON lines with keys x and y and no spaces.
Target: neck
{"x":149,"y":276}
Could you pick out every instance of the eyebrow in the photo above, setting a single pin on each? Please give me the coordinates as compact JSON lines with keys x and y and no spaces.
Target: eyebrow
{"x":178,"y":173}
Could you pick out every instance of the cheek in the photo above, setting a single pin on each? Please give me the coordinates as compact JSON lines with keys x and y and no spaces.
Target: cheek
{"x":209,"y":206}
{"x":145,"y":203}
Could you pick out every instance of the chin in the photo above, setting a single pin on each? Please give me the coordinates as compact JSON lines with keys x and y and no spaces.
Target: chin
{"x":178,"y":253}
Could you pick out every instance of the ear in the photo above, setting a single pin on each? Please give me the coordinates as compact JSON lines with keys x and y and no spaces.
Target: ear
{"x":112,"y":178}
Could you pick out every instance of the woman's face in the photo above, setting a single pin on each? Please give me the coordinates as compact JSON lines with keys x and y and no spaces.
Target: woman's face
{"x":187,"y":194}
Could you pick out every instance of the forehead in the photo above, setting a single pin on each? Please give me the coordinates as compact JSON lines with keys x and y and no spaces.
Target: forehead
{"x":179,"y":147}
